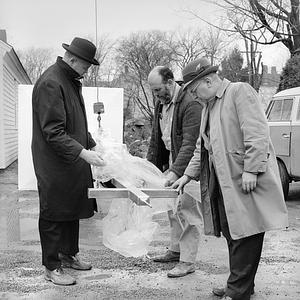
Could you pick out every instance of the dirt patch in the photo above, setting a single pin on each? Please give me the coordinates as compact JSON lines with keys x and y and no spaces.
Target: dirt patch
{"x":10,"y":259}
{"x":279,"y":259}
{"x":138,"y":294}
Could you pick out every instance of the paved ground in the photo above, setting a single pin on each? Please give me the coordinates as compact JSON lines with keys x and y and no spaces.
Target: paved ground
{"x":116,"y":277}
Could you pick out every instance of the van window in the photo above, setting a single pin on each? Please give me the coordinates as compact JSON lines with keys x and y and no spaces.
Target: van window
{"x":298,"y":113}
{"x":280,"y":110}
{"x":287,"y":110}
{"x":275,"y":111}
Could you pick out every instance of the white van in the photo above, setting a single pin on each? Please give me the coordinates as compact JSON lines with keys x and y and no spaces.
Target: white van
{"x":283,"y":115}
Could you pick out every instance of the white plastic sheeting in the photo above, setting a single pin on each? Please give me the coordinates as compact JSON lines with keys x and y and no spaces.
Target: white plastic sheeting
{"x":128,"y":228}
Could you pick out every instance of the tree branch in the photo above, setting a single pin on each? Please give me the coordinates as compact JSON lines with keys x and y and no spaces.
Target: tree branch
{"x":267,"y":11}
{"x":280,"y":7}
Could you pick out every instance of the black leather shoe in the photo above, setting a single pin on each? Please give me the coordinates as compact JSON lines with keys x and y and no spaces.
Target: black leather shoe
{"x":169,"y":256}
{"x":69,"y":261}
{"x":220,"y":292}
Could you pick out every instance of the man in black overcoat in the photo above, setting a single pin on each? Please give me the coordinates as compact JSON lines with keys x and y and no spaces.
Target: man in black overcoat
{"x":61,"y":150}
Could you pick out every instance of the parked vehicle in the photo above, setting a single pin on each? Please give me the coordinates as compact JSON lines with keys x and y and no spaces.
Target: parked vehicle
{"x":283,"y":115}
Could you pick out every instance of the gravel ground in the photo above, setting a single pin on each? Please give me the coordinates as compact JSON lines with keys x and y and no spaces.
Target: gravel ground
{"x":116,"y":277}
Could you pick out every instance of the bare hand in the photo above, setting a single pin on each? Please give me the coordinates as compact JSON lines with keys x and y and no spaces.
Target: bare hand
{"x":171,"y":178}
{"x":180,"y":183}
{"x":249,"y":181}
{"x":92,"y":157}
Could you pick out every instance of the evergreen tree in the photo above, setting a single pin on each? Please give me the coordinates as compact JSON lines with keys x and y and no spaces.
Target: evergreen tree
{"x":232,"y":67}
{"x":290,"y":75}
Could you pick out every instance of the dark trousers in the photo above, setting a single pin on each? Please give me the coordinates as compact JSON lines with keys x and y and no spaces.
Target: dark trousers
{"x":58,"y":237}
{"x":244,"y":256}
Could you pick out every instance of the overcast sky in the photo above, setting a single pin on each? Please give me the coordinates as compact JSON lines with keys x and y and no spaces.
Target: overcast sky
{"x":49,"y":23}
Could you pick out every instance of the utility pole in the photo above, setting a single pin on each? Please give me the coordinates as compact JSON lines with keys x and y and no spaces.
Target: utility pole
{"x":254,"y":78}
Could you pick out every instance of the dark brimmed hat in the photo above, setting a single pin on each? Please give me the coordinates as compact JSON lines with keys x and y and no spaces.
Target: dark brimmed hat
{"x":197,"y":69}
{"x":83,"y":49}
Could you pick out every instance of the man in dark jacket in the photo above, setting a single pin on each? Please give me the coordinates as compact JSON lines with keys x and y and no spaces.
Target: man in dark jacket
{"x":61,"y":153}
{"x":176,"y":124}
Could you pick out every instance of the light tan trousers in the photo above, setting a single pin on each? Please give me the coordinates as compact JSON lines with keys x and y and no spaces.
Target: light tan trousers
{"x":186,"y":224}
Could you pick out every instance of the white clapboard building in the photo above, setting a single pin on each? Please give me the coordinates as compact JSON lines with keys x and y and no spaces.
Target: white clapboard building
{"x":12,"y":73}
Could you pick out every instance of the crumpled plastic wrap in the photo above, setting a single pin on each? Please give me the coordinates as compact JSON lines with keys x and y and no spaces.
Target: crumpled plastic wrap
{"x":127,"y":228}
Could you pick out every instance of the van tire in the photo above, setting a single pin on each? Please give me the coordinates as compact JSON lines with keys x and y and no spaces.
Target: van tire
{"x":285,"y":180}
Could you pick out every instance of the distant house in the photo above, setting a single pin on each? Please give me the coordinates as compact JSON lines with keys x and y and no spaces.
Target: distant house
{"x":269,"y":85}
{"x":12,"y":73}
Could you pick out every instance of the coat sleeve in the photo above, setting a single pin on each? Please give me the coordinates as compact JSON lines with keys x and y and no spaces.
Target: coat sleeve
{"x":91,"y":141}
{"x":190,"y":132}
{"x":50,"y":109}
{"x":254,"y":127}
{"x":193,"y":168}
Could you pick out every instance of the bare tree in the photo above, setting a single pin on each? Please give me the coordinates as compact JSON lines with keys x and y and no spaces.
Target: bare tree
{"x":254,"y":63}
{"x":36,"y":61}
{"x":268,"y":21}
{"x":96,"y":74}
{"x":187,"y":46}
{"x":213,"y":43}
{"x":191,"y":44}
{"x":238,"y":23}
{"x":139,"y":54}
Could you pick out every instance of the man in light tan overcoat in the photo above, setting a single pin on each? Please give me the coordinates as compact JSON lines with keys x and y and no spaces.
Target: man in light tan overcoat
{"x":235,"y":162}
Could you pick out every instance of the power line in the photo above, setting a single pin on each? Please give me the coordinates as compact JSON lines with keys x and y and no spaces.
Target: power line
{"x":96,"y":38}
{"x":96,"y":21}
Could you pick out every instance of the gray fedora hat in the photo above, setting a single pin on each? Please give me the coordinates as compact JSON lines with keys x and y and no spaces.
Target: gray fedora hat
{"x":83,"y":49}
{"x":197,"y":69}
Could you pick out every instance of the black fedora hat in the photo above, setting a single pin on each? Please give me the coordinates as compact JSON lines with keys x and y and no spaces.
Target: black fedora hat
{"x":83,"y":49}
{"x":197,"y":69}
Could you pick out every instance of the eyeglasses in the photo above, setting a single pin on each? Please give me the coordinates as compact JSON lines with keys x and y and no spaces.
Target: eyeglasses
{"x":193,"y":90}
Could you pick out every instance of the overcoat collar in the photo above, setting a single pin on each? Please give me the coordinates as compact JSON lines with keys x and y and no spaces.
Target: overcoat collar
{"x":223,"y":87}
{"x":180,"y":94}
{"x":219,"y":95}
{"x":74,"y":77}
{"x":71,"y":73}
